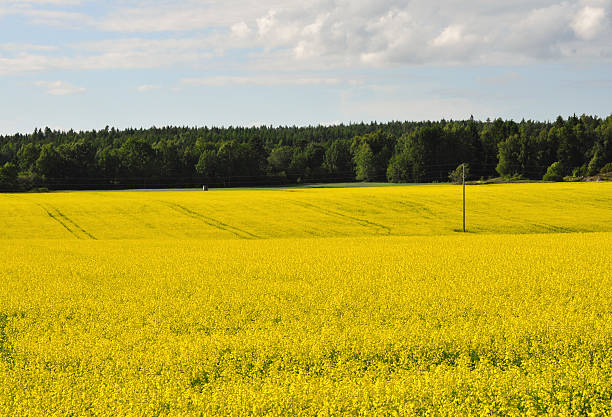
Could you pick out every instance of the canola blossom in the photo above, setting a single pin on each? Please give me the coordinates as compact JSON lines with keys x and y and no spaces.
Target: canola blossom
{"x":307,"y":213}
{"x":308,"y":302}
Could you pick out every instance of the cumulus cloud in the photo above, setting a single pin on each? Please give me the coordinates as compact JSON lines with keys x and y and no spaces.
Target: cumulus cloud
{"x":323,"y":34}
{"x":451,"y":35}
{"x":147,"y":87}
{"x":59,"y":88}
{"x":589,"y":22}
{"x":240,"y":29}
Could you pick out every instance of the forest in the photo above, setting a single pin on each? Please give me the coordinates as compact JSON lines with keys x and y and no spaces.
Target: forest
{"x":420,"y":152}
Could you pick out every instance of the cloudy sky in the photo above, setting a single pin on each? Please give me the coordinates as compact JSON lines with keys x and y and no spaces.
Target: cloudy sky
{"x":86,"y":64}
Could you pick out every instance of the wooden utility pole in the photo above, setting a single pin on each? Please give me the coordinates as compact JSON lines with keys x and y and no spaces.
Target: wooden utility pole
{"x":463,"y":198}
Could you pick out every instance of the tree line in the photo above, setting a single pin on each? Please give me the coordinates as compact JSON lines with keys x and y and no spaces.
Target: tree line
{"x":426,"y":151}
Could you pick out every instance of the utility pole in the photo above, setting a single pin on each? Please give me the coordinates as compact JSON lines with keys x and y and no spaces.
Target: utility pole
{"x":463,"y":197}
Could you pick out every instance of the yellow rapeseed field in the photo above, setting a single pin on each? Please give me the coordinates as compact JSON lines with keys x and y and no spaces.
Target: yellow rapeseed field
{"x":358,"y":301}
{"x":328,"y":212}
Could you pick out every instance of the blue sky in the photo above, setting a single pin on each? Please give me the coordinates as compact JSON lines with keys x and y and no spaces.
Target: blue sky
{"x":86,"y":64}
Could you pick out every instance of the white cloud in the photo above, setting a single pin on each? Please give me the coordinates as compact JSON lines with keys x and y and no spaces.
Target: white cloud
{"x":147,"y":87}
{"x":451,"y":35}
{"x":589,"y":22}
{"x":43,"y":2}
{"x":48,"y":13}
{"x":266,"y":23}
{"x":59,"y":88}
{"x":116,"y":54}
{"x":291,"y":35}
{"x":259,"y":80}
{"x":183,"y":15}
{"x":57,"y":18}
{"x":240,"y":29}
{"x":27,"y":62}
{"x":21,"y":47}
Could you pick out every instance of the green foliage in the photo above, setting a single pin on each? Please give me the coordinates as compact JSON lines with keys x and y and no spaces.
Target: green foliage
{"x":280,"y":159}
{"x":527,"y":153}
{"x":421,"y":155}
{"x":456,"y":175}
{"x":315,"y":155}
{"x":399,"y":169}
{"x":207,"y":164}
{"x":137,"y":157}
{"x":27,"y":156}
{"x":395,"y":151}
{"x":108,"y":162}
{"x":555,"y":172}
{"x":338,"y":159}
{"x":49,"y":163}
{"x":8,"y":177}
{"x":365,"y":163}
{"x":596,"y":162}
{"x":607,"y":168}
{"x":491,"y":135}
{"x":371,"y":154}
{"x":579,"y":172}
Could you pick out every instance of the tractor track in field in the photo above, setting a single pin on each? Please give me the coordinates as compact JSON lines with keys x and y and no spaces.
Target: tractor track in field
{"x":121,"y":211}
{"x":243,"y":234}
{"x":68,"y":224}
{"x":362,"y":222}
{"x":418,"y":208}
{"x":65,"y":221}
{"x":551,"y":228}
